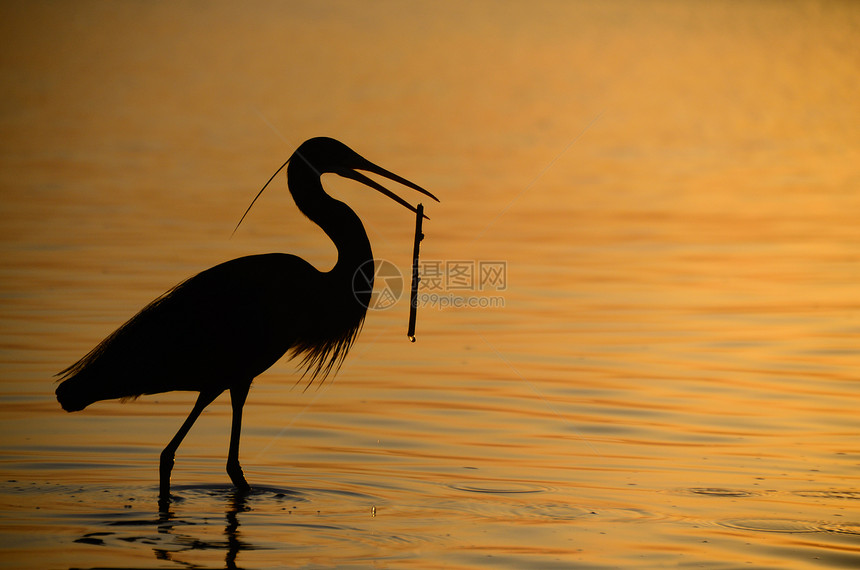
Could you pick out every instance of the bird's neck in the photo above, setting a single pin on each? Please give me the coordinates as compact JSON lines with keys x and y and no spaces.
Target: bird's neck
{"x":337,"y":220}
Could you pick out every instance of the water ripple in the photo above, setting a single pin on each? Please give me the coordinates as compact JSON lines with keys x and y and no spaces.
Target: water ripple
{"x":790,"y":526}
{"x":770,"y":525}
{"x":500,"y":488}
{"x":830,"y":494}
{"x":841,"y":528}
{"x":719,"y":492}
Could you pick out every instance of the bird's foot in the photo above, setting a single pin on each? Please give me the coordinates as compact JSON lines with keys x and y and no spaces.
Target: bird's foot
{"x":164,"y":502}
{"x":234,"y":470}
{"x":164,"y":469}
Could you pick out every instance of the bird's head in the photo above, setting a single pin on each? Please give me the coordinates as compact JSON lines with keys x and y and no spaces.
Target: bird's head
{"x":324,"y":154}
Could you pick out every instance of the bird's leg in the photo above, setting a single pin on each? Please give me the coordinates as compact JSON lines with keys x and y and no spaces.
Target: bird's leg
{"x":166,"y":464}
{"x":234,"y":469}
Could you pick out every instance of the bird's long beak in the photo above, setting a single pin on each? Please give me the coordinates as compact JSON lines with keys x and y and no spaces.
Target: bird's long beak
{"x":370,"y":167}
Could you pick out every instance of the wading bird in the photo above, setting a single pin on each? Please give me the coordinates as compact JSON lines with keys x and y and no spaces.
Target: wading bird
{"x":221,"y":328}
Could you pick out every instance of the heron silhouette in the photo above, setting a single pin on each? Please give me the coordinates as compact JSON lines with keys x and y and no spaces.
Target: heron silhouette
{"x":221,"y":328}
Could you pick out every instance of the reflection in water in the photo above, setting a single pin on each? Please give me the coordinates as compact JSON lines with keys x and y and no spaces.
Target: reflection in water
{"x":180,"y":534}
{"x":236,"y":503}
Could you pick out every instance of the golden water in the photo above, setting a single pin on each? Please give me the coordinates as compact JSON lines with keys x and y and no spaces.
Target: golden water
{"x":669,"y":377}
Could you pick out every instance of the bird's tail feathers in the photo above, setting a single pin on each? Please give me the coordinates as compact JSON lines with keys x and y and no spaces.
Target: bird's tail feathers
{"x":72,"y":396}
{"x":79,"y":391}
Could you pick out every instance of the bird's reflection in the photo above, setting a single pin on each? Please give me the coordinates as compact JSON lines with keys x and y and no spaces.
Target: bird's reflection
{"x":170,"y":525}
{"x":231,"y":531}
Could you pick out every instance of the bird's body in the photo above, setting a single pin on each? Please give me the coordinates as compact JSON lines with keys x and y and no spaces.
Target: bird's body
{"x":218,"y":326}
{"x":221,"y":328}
